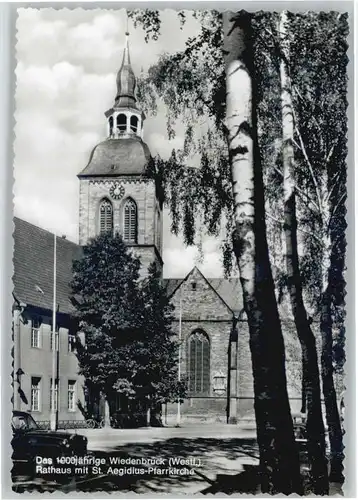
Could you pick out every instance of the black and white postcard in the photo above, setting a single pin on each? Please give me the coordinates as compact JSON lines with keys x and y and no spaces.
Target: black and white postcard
{"x":180,"y":250}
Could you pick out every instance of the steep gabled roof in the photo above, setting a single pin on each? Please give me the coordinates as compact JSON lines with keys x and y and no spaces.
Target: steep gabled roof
{"x":229,"y":290}
{"x":33,"y":267}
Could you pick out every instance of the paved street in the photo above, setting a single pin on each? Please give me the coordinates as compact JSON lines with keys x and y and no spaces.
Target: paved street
{"x":215,"y":457}
{"x":212,"y":449}
{"x":207,"y":451}
{"x":105,"y":439}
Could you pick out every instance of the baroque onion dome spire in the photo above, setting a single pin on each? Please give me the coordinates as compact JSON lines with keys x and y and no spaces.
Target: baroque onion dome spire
{"x":126,"y":81}
{"x":123,"y":152}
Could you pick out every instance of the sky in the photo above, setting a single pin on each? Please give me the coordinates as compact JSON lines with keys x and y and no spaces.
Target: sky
{"x":67,"y":62}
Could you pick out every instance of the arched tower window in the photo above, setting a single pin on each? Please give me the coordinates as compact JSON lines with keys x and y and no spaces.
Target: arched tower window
{"x":130,"y":221}
{"x":105,"y":217}
{"x":110,"y":126}
{"x":134,"y":123}
{"x":122,"y":122}
{"x":198,"y":364}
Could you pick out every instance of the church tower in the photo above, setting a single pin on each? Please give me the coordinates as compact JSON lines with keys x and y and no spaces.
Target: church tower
{"x":116,"y":195}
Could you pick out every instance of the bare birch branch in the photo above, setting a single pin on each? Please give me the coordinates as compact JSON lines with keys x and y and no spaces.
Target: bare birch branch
{"x":281,"y":222}
{"x":336,"y":181}
{"x":299,"y":191}
{"x":338,"y":204}
{"x":330,"y":152}
{"x":319,"y":128}
{"x":309,"y":164}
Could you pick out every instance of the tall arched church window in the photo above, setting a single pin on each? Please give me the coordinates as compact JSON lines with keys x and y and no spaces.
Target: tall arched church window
{"x":130,"y":221}
{"x":122,"y":122}
{"x":198,"y":364}
{"x":105,"y":217}
{"x":134,"y":123}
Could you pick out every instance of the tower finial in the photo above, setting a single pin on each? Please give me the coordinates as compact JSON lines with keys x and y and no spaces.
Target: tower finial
{"x":127,"y":29}
{"x":126,"y":81}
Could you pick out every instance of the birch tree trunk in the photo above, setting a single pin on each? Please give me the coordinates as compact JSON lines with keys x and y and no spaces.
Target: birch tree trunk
{"x":278,"y":454}
{"x":311,"y":376}
{"x":329,"y":391}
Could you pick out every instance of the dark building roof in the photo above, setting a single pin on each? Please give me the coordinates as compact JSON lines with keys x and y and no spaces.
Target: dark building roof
{"x":124,"y":156}
{"x":33,"y":271}
{"x":33,"y":267}
{"x":228,"y":289}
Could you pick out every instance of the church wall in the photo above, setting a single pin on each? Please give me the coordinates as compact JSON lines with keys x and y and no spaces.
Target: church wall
{"x":147,"y":256}
{"x":93,"y":191}
{"x":293,"y":359}
{"x":219,"y":334}
{"x":213,"y":407}
{"x":201,"y":303}
{"x":83,"y":211}
{"x":293,"y":366}
{"x":202,"y":309}
{"x":245,"y":378}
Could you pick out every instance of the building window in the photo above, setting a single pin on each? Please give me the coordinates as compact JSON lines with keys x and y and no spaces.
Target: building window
{"x":122,"y":123}
{"x":56,"y":394}
{"x":193,"y":285}
{"x":105,"y":217}
{"x":199,"y":364}
{"x":35,"y":393}
{"x":110,"y":126}
{"x":35,"y":333}
{"x":130,"y":221}
{"x":57,"y":343}
{"x":71,"y":343}
{"x":71,"y":395}
{"x":134,"y":123}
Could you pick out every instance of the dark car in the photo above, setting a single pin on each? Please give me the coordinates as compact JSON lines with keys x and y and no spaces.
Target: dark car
{"x":29,"y":442}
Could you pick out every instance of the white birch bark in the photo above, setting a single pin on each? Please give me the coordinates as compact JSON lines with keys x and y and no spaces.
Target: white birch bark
{"x":238,"y":105}
{"x":287,"y":113}
{"x":278,"y":454}
{"x":311,"y":378}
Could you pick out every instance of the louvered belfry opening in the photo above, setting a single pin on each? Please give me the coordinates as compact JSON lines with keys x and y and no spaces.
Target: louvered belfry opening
{"x":106,"y":217}
{"x":134,"y":123}
{"x":110,"y":126}
{"x":199,"y":364}
{"x":130,"y":221}
{"x":122,"y":123}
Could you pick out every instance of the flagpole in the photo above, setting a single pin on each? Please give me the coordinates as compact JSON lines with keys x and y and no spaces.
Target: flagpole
{"x":53,"y":419}
{"x":179,"y":362}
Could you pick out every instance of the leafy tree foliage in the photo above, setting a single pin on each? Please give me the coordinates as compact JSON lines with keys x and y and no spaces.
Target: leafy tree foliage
{"x":160,"y":365}
{"x":199,"y":187}
{"x":196,"y":179}
{"x":192,"y":85}
{"x":129,"y":346}
{"x":318,"y":77}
